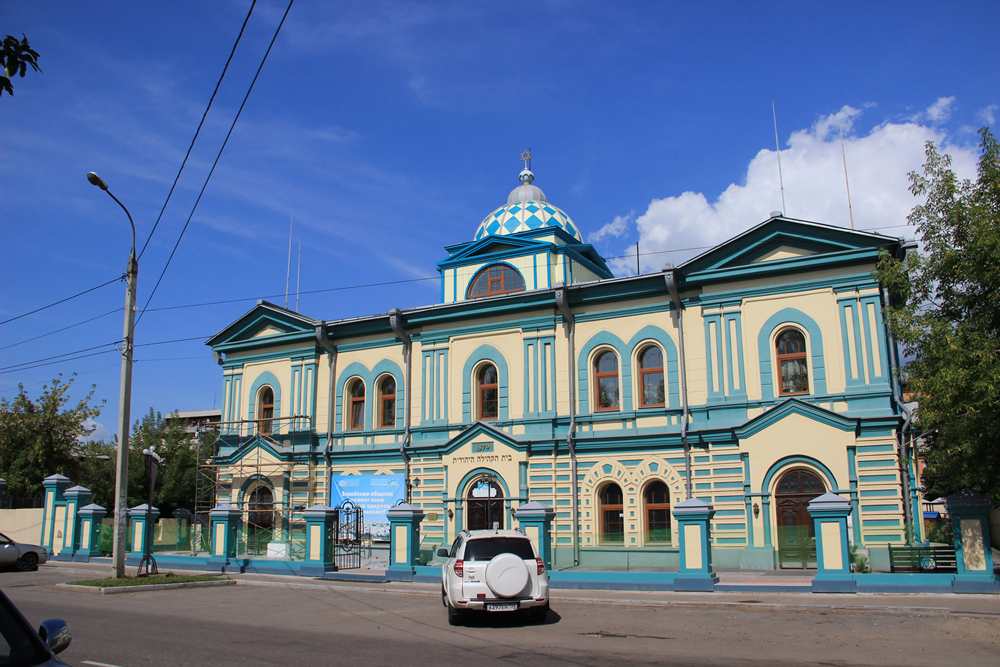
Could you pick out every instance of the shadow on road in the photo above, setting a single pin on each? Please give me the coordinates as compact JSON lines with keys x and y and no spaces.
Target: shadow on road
{"x":507,"y":619}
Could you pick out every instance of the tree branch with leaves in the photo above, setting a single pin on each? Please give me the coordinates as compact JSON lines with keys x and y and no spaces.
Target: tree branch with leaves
{"x":15,"y":58}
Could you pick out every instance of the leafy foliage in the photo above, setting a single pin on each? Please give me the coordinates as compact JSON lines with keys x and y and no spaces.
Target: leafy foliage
{"x":15,"y":59}
{"x":40,"y":438}
{"x":175,"y":482}
{"x":946,"y":314}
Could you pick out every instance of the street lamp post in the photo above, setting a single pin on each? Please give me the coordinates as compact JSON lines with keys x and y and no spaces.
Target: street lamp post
{"x":125,"y":402}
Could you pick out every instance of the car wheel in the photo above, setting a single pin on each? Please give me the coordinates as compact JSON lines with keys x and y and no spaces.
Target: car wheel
{"x":538,"y":614}
{"x":28,"y":562}
{"x":455,"y":616}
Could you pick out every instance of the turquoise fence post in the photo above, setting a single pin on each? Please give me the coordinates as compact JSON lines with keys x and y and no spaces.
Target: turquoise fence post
{"x":54,"y":513}
{"x":183,"y":516}
{"x":829,"y":513}
{"x":225,"y":533}
{"x":694,"y":518}
{"x":404,"y":541}
{"x":76,"y":497}
{"x":535,"y":520}
{"x":970,"y":521}
{"x":143,"y":517}
{"x":90,"y":532}
{"x":319,"y":547}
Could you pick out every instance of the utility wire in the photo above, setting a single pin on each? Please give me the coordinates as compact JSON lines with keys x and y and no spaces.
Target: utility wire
{"x":198,"y":131}
{"x":58,"y":356}
{"x":217,"y":158}
{"x":51,"y":333}
{"x":58,"y":361}
{"x":37,"y":310}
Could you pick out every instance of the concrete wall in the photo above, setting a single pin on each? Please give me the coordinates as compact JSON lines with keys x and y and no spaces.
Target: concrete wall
{"x":23,"y":525}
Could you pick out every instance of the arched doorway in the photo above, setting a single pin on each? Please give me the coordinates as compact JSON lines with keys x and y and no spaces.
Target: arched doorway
{"x":796,"y":532}
{"x":260,"y":519}
{"x":484,"y":503}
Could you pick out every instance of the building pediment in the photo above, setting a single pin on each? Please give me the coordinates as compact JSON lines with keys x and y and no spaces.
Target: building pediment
{"x":781,"y":244}
{"x":793,"y":406}
{"x":264,"y":324}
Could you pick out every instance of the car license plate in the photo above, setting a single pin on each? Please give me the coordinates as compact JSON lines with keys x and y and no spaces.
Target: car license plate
{"x":501,"y":606}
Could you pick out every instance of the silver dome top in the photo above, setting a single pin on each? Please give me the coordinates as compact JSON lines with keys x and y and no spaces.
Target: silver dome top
{"x":526,"y":191}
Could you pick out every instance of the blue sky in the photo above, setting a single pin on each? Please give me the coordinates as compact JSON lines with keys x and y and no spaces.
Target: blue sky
{"x":391,"y":129}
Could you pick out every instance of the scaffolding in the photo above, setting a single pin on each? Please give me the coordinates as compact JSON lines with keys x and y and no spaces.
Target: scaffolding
{"x":271,"y":523}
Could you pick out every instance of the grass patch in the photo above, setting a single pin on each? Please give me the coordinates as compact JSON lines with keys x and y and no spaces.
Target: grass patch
{"x":153,"y":580}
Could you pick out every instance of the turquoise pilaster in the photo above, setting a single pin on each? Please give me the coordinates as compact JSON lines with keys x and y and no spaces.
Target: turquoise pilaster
{"x":76,"y":497}
{"x":52,"y":535}
{"x":829,"y":513}
{"x":535,"y":520}
{"x":319,"y":543}
{"x":404,"y":541}
{"x":970,"y":522}
{"x":225,"y":533}
{"x":143,"y":518}
{"x":693,"y":518}
{"x":183,"y":516}
{"x":89,"y":522}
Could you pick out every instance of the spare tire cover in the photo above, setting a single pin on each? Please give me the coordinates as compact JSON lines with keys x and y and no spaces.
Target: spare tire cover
{"x":507,"y":575}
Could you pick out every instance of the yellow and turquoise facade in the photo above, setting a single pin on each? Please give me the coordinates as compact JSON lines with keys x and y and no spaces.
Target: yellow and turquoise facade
{"x":572,"y":415}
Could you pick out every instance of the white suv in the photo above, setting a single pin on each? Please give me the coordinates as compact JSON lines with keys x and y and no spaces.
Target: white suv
{"x":493,"y":570}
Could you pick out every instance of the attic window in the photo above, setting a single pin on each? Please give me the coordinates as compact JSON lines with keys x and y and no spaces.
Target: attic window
{"x":495,"y":279}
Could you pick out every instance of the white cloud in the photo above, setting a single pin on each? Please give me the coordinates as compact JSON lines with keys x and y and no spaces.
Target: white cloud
{"x":100,"y":433}
{"x":614,"y":228}
{"x":676,"y":228}
{"x":987,"y":115}
{"x":940,"y":111}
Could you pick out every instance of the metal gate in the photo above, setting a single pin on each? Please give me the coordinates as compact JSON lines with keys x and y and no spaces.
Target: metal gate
{"x":348,"y":530}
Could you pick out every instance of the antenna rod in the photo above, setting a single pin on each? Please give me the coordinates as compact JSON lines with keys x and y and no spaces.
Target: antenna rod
{"x":777,"y":147}
{"x":298,"y":277}
{"x":846,"y":182}
{"x":637,"y":270}
{"x":288,"y":271}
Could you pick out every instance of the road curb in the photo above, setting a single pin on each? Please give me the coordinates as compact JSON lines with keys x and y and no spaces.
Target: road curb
{"x":115,"y":590}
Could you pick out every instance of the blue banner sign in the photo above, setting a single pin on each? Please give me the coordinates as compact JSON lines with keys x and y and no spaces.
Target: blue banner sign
{"x":374,"y":494}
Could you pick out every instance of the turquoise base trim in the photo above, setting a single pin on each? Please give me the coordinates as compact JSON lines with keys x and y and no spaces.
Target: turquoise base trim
{"x":834,"y":583}
{"x":696,"y":584}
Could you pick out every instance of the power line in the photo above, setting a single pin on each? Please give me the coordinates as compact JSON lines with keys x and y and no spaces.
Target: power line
{"x":37,"y":310}
{"x":58,"y":361}
{"x":217,"y":158}
{"x":51,"y":333}
{"x":198,"y":131}
{"x":57,"y":356}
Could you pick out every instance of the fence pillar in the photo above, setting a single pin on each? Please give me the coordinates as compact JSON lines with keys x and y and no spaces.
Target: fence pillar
{"x":536,"y":522}
{"x":225,"y":533}
{"x":404,"y":541}
{"x":143,"y":517}
{"x":694,"y":518}
{"x":76,"y":497}
{"x":54,"y":514}
{"x":319,"y":547}
{"x":183,"y":516}
{"x":3,"y":487}
{"x":970,"y":521}
{"x":829,"y":513}
{"x":89,"y":521}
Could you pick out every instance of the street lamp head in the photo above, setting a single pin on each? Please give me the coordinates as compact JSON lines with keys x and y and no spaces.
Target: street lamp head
{"x":97,"y":180}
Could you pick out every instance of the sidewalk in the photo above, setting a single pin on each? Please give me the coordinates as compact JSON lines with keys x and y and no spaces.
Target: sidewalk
{"x":768,"y":598}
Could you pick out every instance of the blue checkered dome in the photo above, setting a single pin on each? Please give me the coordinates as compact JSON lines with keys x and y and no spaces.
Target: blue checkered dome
{"x":526,"y":209}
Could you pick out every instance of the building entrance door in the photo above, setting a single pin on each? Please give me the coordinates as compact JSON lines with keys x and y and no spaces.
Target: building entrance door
{"x":484,"y":504}
{"x":796,"y":533}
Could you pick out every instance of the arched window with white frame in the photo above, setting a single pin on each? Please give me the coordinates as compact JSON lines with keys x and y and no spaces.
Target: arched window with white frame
{"x":651,"y":387}
{"x":265,"y":410}
{"x":606,"y":385}
{"x":356,"y":405}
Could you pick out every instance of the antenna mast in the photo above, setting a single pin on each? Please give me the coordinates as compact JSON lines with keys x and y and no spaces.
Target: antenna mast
{"x":777,"y":147}
{"x":298,"y":277}
{"x":846,"y":182}
{"x":288,"y":271}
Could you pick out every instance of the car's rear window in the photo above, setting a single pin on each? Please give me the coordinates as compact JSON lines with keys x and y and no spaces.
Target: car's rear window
{"x":487,"y":548}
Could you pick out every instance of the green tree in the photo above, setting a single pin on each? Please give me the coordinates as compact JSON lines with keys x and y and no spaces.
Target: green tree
{"x":946,"y":315}
{"x":15,"y":58}
{"x":40,"y":438}
{"x":175,"y":482}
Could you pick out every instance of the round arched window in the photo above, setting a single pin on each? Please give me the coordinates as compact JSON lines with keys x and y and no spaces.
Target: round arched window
{"x":357,"y":408}
{"x":612,"y":514}
{"x":488,"y":389}
{"x":606,"y":376}
{"x":651,"y":376}
{"x":793,"y":366}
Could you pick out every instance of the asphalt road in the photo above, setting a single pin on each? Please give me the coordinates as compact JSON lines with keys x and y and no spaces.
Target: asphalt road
{"x":253,"y":625}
